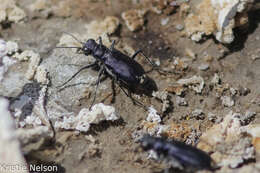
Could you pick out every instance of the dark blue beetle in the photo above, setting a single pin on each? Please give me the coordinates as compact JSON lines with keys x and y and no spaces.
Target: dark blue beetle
{"x":124,"y":70}
{"x":186,"y":155}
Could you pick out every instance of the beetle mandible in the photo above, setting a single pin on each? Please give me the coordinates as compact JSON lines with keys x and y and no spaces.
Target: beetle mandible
{"x":123,"y":70}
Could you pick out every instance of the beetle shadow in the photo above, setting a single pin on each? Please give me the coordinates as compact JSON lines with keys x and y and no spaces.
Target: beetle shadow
{"x":149,"y":87}
{"x":241,"y":34}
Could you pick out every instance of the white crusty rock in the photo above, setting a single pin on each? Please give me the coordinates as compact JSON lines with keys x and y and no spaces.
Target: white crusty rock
{"x":153,"y":116}
{"x":107,"y":26}
{"x":34,"y":62}
{"x":203,"y":67}
{"x":227,"y":101}
{"x":41,"y":75}
{"x":163,"y":96}
{"x":12,"y":47}
{"x":5,"y":61}
{"x":195,"y":82}
{"x":181,"y":101}
{"x":86,"y":117}
{"x":11,"y":12}
{"x":198,"y":114}
{"x":134,"y":19}
{"x":94,"y":30}
{"x":3,"y":48}
{"x":227,"y":142}
{"x":9,"y":144}
{"x":216,"y":79}
{"x":217,"y":17}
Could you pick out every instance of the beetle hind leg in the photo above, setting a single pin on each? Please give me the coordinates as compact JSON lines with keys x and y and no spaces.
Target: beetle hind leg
{"x":127,"y":94}
{"x":135,"y":102}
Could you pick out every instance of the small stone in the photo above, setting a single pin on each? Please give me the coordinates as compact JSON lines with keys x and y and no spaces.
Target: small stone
{"x":227,"y":101}
{"x":12,"y":47}
{"x":216,"y":79}
{"x":233,"y":91}
{"x":212,"y":117}
{"x":179,"y":27}
{"x":198,"y":114}
{"x":134,"y":19}
{"x":157,"y":62}
{"x":247,"y":118}
{"x":41,"y":75}
{"x":16,"y":14}
{"x":243,"y":91}
{"x":163,"y":96}
{"x":153,"y":116}
{"x":204,"y":67}
{"x":195,"y":82}
{"x":3,"y":49}
{"x":34,"y":62}
{"x":176,"y":89}
{"x":181,"y":101}
{"x":190,"y":53}
{"x":256,"y":100}
{"x":164,"y":21}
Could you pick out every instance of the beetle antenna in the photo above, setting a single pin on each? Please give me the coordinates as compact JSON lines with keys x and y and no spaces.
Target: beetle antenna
{"x":73,"y":37}
{"x":68,"y":47}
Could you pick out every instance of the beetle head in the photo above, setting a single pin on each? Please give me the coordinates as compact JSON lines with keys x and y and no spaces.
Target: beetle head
{"x":89,"y":46}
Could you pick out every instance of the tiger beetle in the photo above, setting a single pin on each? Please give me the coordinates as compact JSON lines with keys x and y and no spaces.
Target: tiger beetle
{"x":123,"y":70}
{"x":187,"y":156}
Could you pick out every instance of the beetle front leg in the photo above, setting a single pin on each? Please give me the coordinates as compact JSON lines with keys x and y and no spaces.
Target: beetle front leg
{"x":112,"y":47}
{"x":101,"y":71}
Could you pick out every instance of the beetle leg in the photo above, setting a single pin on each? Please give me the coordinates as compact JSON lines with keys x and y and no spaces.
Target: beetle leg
{"x":154,"y":66}
{"x":101,"y":71}
{"x":128,"y":95}
{"x":113,"y":91}
{"x":112,"y":45}
{"x":83,"y":68}
{"x":140,"y":51}
{"x":101,"y":80}
{"x":100,"y":41}
{"x":133,"y":100}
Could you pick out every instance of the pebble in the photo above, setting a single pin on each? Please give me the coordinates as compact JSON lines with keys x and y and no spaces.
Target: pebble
{"x":204,"y":67}
{"x":198,"y":114}
{"x":227,"y":101}
{"x":179,"y":27}
{"x":165,"y":21}
{"x":181,"y":101}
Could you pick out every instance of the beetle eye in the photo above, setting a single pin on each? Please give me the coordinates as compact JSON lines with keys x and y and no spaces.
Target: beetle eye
{"x":86,"y":51}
